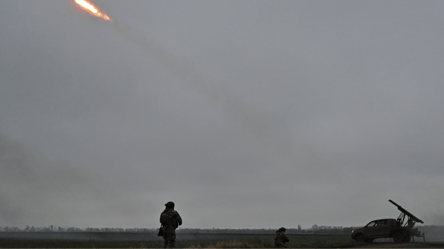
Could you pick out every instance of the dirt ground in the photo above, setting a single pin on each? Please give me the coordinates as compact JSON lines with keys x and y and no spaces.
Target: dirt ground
{"x":402,"y":245}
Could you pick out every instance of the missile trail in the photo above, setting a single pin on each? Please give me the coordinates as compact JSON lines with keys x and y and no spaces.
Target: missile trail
{"x":251,"y":119}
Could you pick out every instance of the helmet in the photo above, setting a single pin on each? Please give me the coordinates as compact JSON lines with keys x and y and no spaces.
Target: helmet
{"x":282,"y":229}
{"x":169,"y":204}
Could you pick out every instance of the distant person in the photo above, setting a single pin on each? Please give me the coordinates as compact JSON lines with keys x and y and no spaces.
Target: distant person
{"x":280,"y":238}
{"x":170,"y":220}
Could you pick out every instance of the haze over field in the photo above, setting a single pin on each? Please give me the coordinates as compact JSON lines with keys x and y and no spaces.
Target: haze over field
{"x":247,"y":114}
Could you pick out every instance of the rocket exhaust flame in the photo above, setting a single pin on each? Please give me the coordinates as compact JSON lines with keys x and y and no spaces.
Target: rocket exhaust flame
{"x":91,"y":9}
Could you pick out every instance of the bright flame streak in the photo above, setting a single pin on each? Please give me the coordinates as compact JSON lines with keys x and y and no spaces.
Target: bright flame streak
{"x":92,"y":9}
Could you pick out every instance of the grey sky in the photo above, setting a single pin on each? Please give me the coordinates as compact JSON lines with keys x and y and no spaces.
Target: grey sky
{"x":247,"y":114}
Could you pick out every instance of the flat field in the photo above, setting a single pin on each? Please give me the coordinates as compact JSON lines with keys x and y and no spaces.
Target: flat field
{"x":403,"y":245}
{"x":196,"y":238}
{"x":14,"y":243}
{"x":187,"y":240}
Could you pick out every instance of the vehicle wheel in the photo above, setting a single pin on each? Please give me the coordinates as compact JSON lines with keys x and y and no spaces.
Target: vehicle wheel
{"x":397,"y":237}
{"x":359,"y":237}
{"x":407,"y":237}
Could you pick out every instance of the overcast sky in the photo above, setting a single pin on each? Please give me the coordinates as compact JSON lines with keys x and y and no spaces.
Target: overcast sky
{"x":246,"y":114}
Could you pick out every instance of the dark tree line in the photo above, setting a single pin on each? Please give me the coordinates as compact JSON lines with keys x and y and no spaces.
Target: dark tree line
{"x":315,"y":229}
{"x":76,"y":229}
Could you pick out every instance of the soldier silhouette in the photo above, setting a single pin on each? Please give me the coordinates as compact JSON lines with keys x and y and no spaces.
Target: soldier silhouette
{"x":170,"y":220}
{"x":280,"y":238}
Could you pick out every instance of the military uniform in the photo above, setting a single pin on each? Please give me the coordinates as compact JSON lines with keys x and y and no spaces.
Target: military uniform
{"x":170,"y":220}
{"x":280,"y":238}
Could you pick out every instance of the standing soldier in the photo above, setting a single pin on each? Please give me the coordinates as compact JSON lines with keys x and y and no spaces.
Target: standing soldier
{"x":170,"y":220}
{"x":280,"y":238}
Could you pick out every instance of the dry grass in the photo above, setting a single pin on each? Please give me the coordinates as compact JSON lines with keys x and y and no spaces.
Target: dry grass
{"x":229,"y":244}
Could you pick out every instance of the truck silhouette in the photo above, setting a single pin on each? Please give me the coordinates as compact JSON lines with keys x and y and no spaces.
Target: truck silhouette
{"x":400,"y":229}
